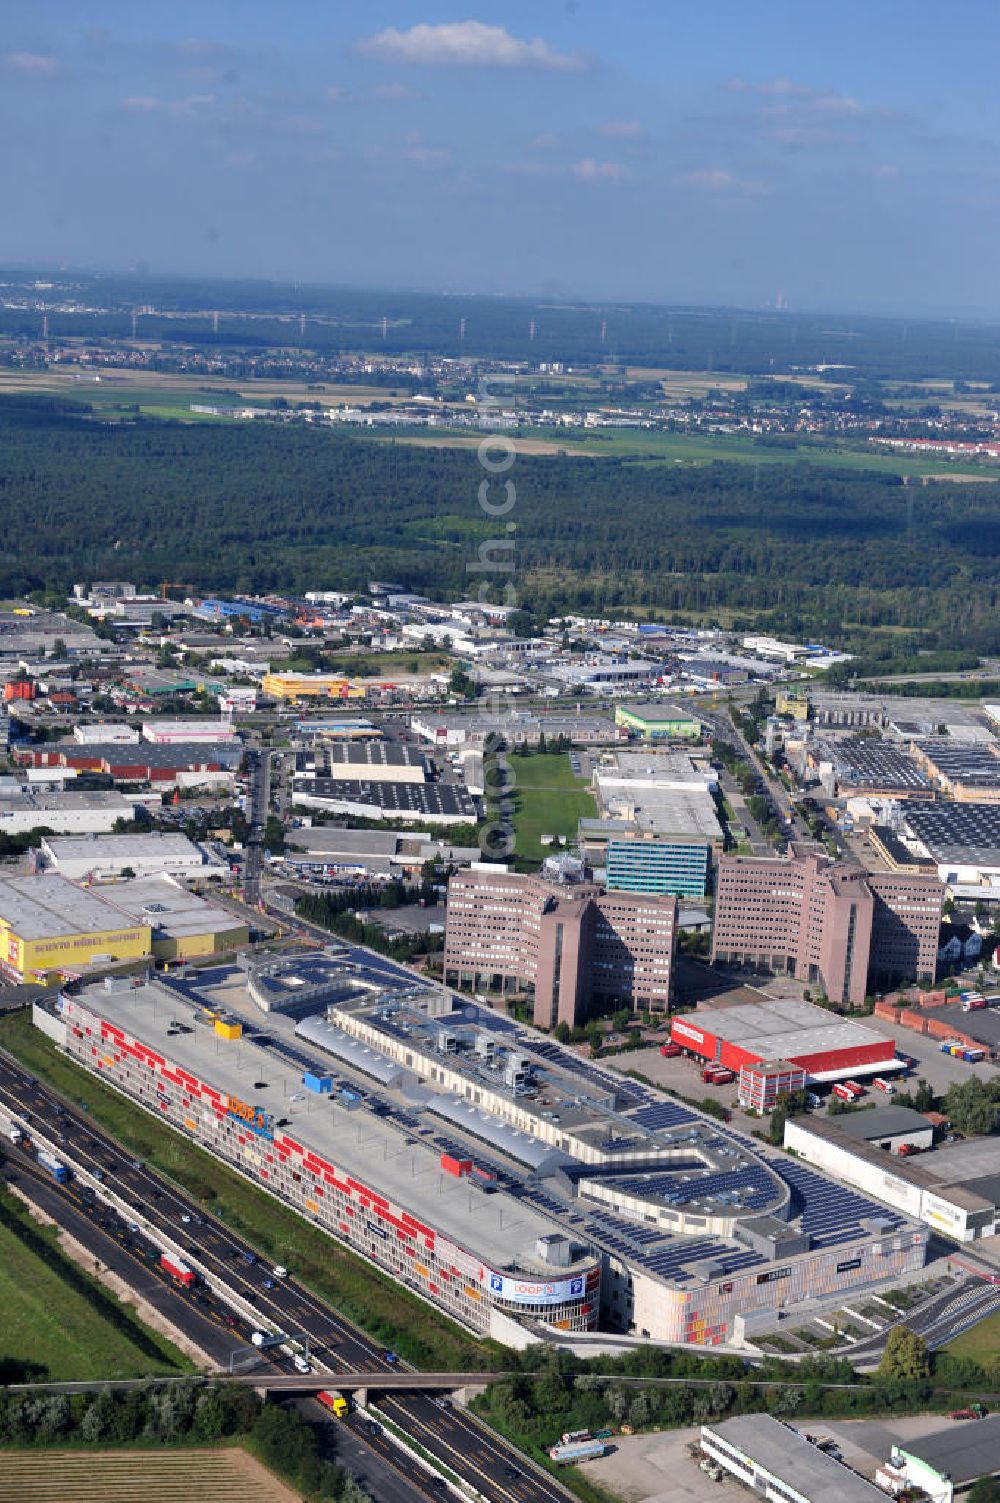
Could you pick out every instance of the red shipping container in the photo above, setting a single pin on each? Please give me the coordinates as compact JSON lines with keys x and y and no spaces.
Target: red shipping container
{"x":454,"y":1166}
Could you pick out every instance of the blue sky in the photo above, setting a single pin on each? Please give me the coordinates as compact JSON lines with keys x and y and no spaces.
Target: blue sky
{"x":838,"y":156}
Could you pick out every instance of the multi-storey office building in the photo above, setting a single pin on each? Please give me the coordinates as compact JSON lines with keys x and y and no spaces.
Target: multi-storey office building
{"x":569,"y":943}
{"x":826,"y":922}
{"x":675,"y":866}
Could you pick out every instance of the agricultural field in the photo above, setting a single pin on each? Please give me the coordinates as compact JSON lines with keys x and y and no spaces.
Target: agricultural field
{"x":58,"y":1322}
{"x":702,"y":449}
{"x":549,"y":799}
{"x":221,"y":1475}
{"x":174,"y":393}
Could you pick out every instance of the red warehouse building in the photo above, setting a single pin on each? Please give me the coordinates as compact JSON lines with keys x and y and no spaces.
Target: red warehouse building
{"x":823,"y":1045}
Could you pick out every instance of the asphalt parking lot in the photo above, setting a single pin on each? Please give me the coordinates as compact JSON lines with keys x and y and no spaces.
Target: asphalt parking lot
{"x":658,"y":1468}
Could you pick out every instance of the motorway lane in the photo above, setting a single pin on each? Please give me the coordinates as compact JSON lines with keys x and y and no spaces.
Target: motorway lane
{"x":472,"y":1451}
{"x":202,"y":1325}
{"x":374,"y":1459}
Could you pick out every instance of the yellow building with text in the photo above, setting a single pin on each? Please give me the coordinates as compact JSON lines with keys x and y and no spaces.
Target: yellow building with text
{"x":50,"y":927}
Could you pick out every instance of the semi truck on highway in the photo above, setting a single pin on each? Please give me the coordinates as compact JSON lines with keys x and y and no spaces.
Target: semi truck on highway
{"x":265,"y":1339}
{"x":335,"y":1402}
{"x":177,"y":1270}
{"x":55,"y":1166}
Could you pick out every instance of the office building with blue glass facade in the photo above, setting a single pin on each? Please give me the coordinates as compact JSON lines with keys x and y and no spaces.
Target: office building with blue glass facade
{"x":651,"y":865}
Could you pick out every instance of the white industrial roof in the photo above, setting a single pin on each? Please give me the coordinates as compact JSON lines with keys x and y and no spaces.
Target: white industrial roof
{"x":783,"y":1028}
{"x":374,"y":1149}
{"x":522,"y":1146}
{"x":335,"y":1041}
{"x":147,"y":847}
{"x":46,"y":906}
{"x":73,"y":798}
{"x":171,"y":910}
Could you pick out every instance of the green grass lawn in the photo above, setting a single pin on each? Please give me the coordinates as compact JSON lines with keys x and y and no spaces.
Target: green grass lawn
{"x":383,"y":1308}
{"x":981,"y":1342}
{"x":549,"y":799}
{"x":60,"y":1321}
{"x":377,"y":664}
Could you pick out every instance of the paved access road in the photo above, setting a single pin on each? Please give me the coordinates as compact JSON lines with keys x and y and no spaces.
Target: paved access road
{"x":258,"y":778}
{"x":943,"y":1318}
{"x":473,"y":1452}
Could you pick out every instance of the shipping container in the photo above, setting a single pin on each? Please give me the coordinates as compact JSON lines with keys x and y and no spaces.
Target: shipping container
{"x":177,"y":1269}
{"x":458,"y":1167}
{"x":318,"y":1083}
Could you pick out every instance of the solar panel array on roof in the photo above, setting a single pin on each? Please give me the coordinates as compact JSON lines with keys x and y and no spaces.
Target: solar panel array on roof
{"x":831,"y":1214}
{"x":750,"y":1186}
{"x":671,"y":1262}
{"x":662,"y":1114}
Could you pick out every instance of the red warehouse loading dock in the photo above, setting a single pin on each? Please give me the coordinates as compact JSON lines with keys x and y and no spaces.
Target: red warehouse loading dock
{"x":825,"y":1046}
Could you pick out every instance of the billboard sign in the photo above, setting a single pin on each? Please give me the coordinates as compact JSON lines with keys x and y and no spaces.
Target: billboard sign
{"x":532,"y":1292}
{"x":685,"y":1031}
{"x":252,"y":1117}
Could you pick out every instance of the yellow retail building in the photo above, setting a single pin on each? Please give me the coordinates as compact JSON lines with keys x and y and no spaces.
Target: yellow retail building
{"x":50,"y":927}
{"x":293,"y":686}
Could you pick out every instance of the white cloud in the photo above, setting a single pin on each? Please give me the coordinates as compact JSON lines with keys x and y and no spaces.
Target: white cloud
{"x":717,"y":180}
{"x":589,"y":170}
{"x":544,"y":141}
{"x":782,"y":87}
{"x":622,"y":130}
{"x":427,"y":157}
{"x":29,"y":64}
{"x":183,"y":108}
{"x":467,"y":44}
{"x":395,"y":93}
{"x":789,"y":98}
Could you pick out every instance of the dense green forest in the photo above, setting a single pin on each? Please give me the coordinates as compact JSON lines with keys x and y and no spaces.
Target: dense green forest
{"x":268,"y":508}
{"x":266,"y":314}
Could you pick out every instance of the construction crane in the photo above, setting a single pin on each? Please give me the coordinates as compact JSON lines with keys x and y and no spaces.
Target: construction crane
{"x":171,"y":584}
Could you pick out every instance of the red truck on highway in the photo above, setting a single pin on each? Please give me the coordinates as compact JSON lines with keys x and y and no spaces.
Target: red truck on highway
{"x":177,"y":1270}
